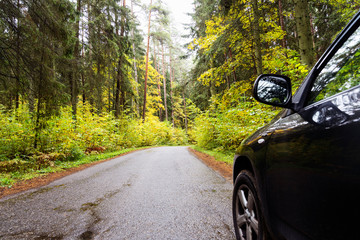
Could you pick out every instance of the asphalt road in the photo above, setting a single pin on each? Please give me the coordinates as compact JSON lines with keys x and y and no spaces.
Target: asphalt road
{"x":158,"y":193}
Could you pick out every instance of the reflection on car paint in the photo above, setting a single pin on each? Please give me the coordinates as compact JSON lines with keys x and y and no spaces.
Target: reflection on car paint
{"x":342,"y":109}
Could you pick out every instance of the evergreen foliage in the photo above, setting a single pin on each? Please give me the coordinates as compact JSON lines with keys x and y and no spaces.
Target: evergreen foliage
{"x":235,"y":41}
{"x":72,"y":76}
{"x":72,"y":73}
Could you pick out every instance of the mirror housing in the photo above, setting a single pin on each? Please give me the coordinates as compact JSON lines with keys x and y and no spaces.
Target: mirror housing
{"x":273,"y":90}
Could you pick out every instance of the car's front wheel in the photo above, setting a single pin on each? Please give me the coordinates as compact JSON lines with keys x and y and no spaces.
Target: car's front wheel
{"x":248,"y":220}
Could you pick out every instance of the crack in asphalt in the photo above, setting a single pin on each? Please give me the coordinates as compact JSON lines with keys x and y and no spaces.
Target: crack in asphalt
{"x":91,"y":207}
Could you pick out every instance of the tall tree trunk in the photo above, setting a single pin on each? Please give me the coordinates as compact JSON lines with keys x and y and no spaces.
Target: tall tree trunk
{"x":234,"y":70}
{"x":109,"y":95}
{"x":212,"y":83}
{"x":31,"y":95}
{"x":185,"y":113}
{"x":118,"y":77}
{"x":82,"y":70}
{"x":40,"y":98}
{"x":122,"y":89}
{"x":75,"y":77}
{"x":99,"y":83}
{"x":135,"y":67}
{"x":156,"y":64}
{"x":37,"y":124}
{"x":163,"y":63}
{"x":147,"y":62}
{"x":17,"y":74}
{"x":120,"y":93}
{"x":117,"y":90}
{"x":90,"y":74}
{"x":304,"y":32}
{"x":316,"y":56}
{"x":257,"y":40}
{"x":212,"y":89}
{"x":171,"y":98}
{"x":282,"y":24}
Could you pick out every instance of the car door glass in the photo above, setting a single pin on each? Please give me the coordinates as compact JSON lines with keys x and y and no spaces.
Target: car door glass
{"x":342,"y":72}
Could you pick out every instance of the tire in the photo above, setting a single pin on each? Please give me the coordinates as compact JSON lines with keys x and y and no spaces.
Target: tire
{"x":247,"y":216}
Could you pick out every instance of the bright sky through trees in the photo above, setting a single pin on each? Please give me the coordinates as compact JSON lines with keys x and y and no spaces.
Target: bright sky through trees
{"x":179,"y":13}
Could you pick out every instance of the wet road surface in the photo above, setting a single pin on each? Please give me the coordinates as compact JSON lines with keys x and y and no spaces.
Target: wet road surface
{"x":158,"y":193}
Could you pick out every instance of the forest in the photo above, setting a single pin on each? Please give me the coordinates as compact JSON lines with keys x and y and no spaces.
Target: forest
{"x":80,"y":77}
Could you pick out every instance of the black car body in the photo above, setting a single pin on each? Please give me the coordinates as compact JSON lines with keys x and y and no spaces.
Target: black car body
{"x":299,"y":176}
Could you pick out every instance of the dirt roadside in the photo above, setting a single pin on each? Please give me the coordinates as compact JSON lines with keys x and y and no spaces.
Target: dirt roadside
{"x":222,"y":168}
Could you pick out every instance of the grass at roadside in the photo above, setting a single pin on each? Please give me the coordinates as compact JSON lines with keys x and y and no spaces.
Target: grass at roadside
{"x":7,"y":179}
{"x":227,"y":157}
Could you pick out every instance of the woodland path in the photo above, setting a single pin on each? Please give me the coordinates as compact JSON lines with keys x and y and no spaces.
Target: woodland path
{"x":157,"y":193}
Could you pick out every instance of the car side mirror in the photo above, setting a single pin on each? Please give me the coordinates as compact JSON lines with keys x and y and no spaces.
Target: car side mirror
{"x":273,"y":89}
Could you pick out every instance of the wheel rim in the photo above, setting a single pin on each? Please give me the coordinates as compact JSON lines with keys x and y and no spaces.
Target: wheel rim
{"x":246,"y":214}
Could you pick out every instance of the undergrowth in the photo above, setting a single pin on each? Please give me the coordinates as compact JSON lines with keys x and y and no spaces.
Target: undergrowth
{"x":7,"y":179}
{"x":30,"y":147}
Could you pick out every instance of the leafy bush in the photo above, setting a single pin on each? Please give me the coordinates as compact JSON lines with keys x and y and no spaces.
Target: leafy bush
{"x":6,"y":181}
{"x":229,"y":120}
{"x":16,"y":133}
{"x":13,"y":165}
{"x":70,"y":138}
{"x":75,"y":154}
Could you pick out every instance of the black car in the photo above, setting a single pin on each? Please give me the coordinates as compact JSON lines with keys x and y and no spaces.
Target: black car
{"x":299,"y":176}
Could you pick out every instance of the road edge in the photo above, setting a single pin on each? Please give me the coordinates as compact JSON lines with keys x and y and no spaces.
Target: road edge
{"x":222,"y":168}
{"x":44,"y":180}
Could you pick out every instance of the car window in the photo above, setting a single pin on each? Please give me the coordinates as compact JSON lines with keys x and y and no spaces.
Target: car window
{"x":342,"y":72}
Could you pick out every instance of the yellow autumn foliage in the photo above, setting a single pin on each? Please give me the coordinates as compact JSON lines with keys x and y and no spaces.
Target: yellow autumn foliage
{"x":62,"y":134}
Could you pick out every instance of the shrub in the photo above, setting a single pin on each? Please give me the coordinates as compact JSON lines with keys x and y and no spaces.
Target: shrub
{"x":75,"y":154}
{"x":16,"y":133}
{"x":68,"y":138}
{"x":226,"y":129}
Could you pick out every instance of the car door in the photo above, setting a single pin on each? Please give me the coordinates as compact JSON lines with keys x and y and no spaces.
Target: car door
{"x":313,"y":155}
